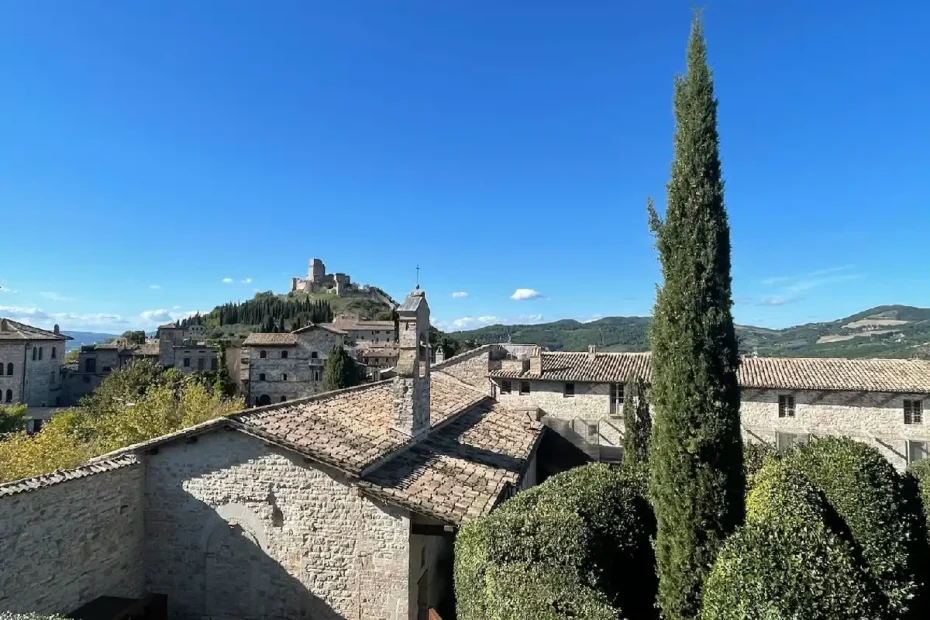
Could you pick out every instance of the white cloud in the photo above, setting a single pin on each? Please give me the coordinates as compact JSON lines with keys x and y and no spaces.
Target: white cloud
{"x":459,"y":295}
{"x":474,"y":322}
{"x":246,"y":281}
{"x":529,"y":319}
{"x":55,"y":296}
{"x":792,"y":288}
{"x":522,"y":294}
{"x":175,"y":307}
{"x":156,"y":316}
{"x":592,"y":318}
{"x":154,"y":287}
{"x":94,"y":321}
{"x":6,"y":289}
{"x":227,"y":280}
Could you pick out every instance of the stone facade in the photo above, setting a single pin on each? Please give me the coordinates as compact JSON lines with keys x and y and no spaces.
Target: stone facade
{"x":235,"y":528}
{"x":280,"y":372}
{"x":470,"y":367}
{"x":72,"y":542}
{"x":184,"y":348}
{"x":31,"y":363}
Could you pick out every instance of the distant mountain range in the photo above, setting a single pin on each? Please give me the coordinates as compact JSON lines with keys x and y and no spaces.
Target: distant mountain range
{"x":884,"y":331}
{"x":82,"y":338}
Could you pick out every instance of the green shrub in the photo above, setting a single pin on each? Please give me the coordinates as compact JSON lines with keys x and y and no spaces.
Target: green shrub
{"x":872,"y":500}
{"x":534,"y":592}
{"x":590,"y":524}
{"x":755,"y":456}
{"x":788,"y":561}
{"x":921,"y":474}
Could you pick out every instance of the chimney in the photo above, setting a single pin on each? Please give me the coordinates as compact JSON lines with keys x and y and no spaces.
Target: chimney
{"x":592,"y":352}
{"x":4,"y":325}
{"x":440,"y":354}
{"x":412,"y":382}
{"x":536,"y":361}
{"x":55,"y":329}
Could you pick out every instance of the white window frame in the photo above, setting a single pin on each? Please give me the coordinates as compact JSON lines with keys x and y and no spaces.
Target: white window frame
{"x":912,"y":406}
{"x":791,"y":406}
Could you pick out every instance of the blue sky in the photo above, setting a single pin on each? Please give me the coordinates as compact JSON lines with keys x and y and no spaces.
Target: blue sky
{"x":152,"y":150}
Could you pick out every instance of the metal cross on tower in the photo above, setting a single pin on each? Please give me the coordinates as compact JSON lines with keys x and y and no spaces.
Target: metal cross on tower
{"x":418,"y":277}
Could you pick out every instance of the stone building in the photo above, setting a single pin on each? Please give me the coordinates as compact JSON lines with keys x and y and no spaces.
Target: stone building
{"x":373,"y":343}
{"x":97,"y":361}
{"x":783,"y":400}
{"x":342,"y":505}
{"x":280,"y":367}
{"x":318,"y":281}
{"x":185,"y":348}
{"x":30,"y":364}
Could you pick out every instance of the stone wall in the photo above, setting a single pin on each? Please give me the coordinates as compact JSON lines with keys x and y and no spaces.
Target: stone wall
{"x":590,"y":406}
{"x":304,"y":372}
{"x":12,"y":353}
{"x":64,"y":545}
{"x":874,"y":418}
{"x":235,"y":528}
{"x":470,"y":367}
{"x":43,"y":376}
{"x":198,"y":357}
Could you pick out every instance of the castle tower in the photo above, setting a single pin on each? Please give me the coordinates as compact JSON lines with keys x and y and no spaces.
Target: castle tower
{"x":412,"y":382}
{"x":317,"y":271}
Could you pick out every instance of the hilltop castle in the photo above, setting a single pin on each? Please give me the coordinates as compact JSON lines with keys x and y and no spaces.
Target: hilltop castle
{"x":319,"y":281}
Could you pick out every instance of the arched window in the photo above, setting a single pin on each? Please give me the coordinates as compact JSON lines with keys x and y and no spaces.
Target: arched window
{"x":263,"y":400}
{"x":9,"y":368}
{"x":284,"y":399}
{"x":35,"y":353}
{"x":54,"y":352}
{"x":283,"y":377}
{"x":40,"y":352}
{"x":9,"y":396}
{"x":263,"y":354}
{"x":1,"y":370}
{"x":261,"y":377}
{"x":284,"y":355}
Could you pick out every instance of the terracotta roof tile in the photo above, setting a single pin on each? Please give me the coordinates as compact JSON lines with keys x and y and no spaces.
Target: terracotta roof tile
{"x":461,"y":469}
{"x":14,"y":330}
{"x":46,"y":480}
{"x":867,"y":375}
{"x":267,"y":339}
{"x":352,"y":428}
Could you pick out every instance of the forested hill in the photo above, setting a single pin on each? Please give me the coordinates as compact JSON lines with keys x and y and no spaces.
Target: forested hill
{"x":268,"y":312}
{"x":884,"y":331}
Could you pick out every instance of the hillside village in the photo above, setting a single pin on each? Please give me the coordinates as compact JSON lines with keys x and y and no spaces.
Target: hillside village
{"x":329,"y":454}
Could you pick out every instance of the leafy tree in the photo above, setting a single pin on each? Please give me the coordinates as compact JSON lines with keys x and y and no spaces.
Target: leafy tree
{"x":340,"y":370}
{"x":637,"y":425}
{"x":223,"y":383}
{"x":697,"y":480}
{"x":12,"y":418}
{"x":71,"y":356}
{"x":134,"y":337}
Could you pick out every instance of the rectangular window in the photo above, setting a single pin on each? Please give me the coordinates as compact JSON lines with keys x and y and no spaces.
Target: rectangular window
{"x":35,"y":353}
{"x":616,"y":398}
{"x":200,"y":363}
{"x":187,"y":362}
{"x":107,"y":369}
{"x":54,"y":352}
{"x":40,"y":352}
{"x":569,"y":390}
{"x":90,"y":365}
{"x":913,"y":412}
{"x":213,"y":363}
{"x":51,"y":378}
{"x":784,"y":441}
{"x":506,"y":387}
{"x":785,"y":406}
{"x":917,"y":451}
{"x":524,"y":387}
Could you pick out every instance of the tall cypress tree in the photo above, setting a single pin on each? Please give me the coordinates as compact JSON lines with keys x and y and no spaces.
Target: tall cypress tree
{"x":340,"y":370}
{"x":696,"y":474}
{"x":637,"y":425}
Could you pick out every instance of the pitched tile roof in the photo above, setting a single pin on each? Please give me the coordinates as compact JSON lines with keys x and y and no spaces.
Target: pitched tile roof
{"x":460,"y":470}
{"x":351,"y":429}
{"x":327,"y":326}
{"x":63,"y":475}
{"x":14,"y":330}
{"x":149,"y":349}
{"x":270,"y":340}
{"x":834,"y":374}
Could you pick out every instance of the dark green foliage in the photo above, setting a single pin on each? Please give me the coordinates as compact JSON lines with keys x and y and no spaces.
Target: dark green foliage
{"x":340,"y":371}
{"x":755,"y":456}
{"x":791,"y":560}
{"x":590,"y":525}
{"x":697,"y":482}
{"x":272,"y":313}
{"x":12,"y":418}
{"x":134,"y":337}
{"x":223,"y":383}
{"x":885,"y":523}
{"x":637,"y":424}
{"x":920,"y":473}
{"x":533,"y":592}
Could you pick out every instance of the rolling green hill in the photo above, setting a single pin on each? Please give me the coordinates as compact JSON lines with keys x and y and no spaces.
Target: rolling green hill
{"x":884,"y":331}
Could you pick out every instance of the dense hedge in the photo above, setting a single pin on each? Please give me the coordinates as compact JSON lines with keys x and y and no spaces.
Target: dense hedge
{"x":788,"y":560}
{"x":882,"y":517}
{"x":920,"y":471}
{"x":590,"y":525}
{"x":534,"y":592}
{"x":755,"y":455}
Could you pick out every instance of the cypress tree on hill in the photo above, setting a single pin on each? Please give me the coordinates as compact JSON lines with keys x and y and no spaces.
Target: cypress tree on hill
{"x":637,"y":425}
{"x":696,"y":474}
{"x":340,"y":371}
